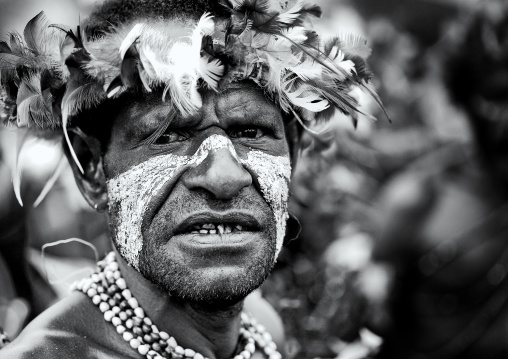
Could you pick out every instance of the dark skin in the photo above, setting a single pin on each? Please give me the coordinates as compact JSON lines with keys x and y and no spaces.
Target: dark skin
{"x":250,"y":121}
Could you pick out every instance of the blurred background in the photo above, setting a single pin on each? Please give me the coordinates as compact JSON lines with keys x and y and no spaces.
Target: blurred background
{"x":403,"y":250}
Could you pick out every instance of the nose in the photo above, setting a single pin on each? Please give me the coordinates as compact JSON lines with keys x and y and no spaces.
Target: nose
{"x":220,"y":174}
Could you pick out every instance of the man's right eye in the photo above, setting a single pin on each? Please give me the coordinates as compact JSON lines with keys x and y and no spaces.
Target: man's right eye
{"x":170,"y":137}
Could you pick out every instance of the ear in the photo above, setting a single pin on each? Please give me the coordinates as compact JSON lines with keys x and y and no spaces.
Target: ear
{"x":92,"y":182}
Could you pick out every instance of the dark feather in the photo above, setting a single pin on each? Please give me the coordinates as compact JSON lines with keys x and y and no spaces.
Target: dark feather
{"x":370,"y":89}
{"x":129,"y":68}
{"x":4,"y":48}
{"x":114,"y":85}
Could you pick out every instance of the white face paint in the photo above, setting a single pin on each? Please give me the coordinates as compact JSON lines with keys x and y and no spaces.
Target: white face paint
{"x":131,"y":192}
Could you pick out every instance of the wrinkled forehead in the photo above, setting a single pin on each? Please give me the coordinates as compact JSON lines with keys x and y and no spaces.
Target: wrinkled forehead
{"x":147,"y":112}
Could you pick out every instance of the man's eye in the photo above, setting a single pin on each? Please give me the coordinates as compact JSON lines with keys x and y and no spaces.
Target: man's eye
{"x":170,"y":137}
{"x":248,"y":132}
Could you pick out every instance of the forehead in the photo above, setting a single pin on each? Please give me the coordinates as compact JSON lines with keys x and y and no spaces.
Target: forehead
{"x":236,"y":102}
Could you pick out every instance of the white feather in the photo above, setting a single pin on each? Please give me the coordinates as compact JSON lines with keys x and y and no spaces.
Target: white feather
{"x":291,"y":15}
{"x":211,"y":70}
{"x":304,"y":97}
{"x":131,"y":37}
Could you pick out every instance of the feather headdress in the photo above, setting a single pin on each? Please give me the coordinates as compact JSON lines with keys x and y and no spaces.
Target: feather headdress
{"x":52,"y":73}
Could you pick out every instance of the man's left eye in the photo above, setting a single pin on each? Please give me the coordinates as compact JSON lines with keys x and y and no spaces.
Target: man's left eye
{"x":170,"y":137}
{"x":248,"y":132}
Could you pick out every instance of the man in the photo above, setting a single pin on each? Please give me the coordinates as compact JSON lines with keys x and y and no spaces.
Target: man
{"x":185,"y":133}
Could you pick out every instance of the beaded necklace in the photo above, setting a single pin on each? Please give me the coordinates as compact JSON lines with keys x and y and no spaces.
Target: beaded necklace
{"x":108,"y":290}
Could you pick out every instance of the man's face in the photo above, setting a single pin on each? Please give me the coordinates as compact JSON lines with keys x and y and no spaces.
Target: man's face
{"x":200,"y":208}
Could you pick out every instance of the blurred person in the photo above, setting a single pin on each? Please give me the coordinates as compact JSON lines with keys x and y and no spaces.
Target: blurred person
{"x":187,"y":142}
{"x":443,"y":223}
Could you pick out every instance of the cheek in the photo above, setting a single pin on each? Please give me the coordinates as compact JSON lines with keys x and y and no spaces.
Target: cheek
{"x":274,"y":173}
{"x":129,"y":196}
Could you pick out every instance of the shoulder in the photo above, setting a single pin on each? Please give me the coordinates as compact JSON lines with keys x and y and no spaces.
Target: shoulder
{"x":266,"y":315}
{"x":72,"y":328}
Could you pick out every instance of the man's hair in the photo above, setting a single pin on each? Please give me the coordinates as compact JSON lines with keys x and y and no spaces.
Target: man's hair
{"x":112,"y":13}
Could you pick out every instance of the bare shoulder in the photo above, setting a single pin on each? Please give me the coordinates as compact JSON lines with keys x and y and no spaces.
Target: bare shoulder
{"x":72,"y":328}
{"x":265,"y":314}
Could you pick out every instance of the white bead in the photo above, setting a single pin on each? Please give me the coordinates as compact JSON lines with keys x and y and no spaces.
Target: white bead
{"x":104,"y":307}
{"x":104,"y":297}
{"x":139,"y":312}
{"x":260,"y":328}
{"x":267,"y":336}
{"x":96,"y":299}
{"x":109,"y":315}
{"x":127,"y":336}
{"x":272,"y":345}
{"x":86,"y":286}
{"x":116,"y":310}
{"x":129,"y":323}
{"x":147,"y":321}
{"x":245,"y":317}
{"x":198,"y":356}
{"x":179,"y":350}
{"x":250,"y":347}
{"x":91,"y":292}
{"x":120,"y":282}
{"x":123,"y":316}
{"x":127,"y":294}
{"x":120,"y":329}
{"x":275,"y":355}
{"x":117,"y":275}
{"x":133,"y":303}
{"x":165,"y":336}
{"x":155,"y":329}
{"x":95,"y":278}
{"x":143,"y":349}
{"x":116,"y":321}
{"x":189,"y":353}
{"x":245,"y":354}
{"x":238,"y":357}
{"x":269,"y":351}
{"x":134,"y":343}
{"x":113,"y":266}
{"x":172,"y":342}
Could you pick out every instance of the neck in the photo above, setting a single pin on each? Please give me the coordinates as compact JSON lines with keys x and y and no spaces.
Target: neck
{"x":211,"y":331}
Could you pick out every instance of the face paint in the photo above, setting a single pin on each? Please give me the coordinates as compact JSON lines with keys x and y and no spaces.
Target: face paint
{"x":131,"y":192}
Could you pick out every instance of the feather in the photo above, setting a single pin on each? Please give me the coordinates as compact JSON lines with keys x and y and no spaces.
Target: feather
{"x":74,"y":101}
{"x":4,"y":48}
{"x":131,"y":38}
{"x":304,"y":97}
{"x":21,"y":138}
{"x":35,"y":33}
{"x":52,"y":180}
{"x":129,"y":68}
{"x":31,"y":107}
{"x":372,"y":91}
{"x":211,"y":70}
{"x":355,"y":45}
{"x":307,"y":69}
{"x":114,"y":87}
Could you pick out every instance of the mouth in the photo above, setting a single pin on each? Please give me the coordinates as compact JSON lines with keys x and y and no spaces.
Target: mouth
{"x":213,"y":224}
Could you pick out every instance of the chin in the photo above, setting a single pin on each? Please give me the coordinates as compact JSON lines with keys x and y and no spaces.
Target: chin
{"x":221,"y":284}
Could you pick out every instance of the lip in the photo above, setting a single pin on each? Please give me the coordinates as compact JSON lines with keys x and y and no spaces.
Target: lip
{"x":246,"y":220}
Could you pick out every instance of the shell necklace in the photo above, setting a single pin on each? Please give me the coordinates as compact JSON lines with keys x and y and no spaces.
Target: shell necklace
{"x":108,"y":290}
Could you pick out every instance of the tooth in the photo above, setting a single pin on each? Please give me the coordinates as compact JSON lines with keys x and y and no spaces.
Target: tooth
{"x":213,"y":231}
{"x":208,"y":226}
{"x":203,"y":231}
{"x":238,"y":227}
{"x":228,"y":229}
{"x":195,"y":232}
{"x":220,"y":228}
